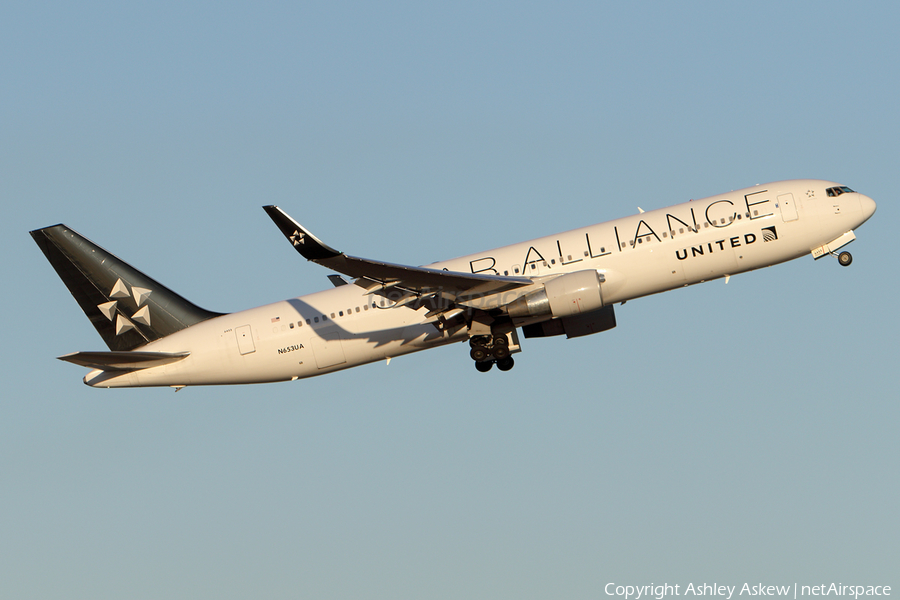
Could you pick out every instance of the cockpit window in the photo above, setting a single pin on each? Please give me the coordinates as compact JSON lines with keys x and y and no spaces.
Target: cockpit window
{"x":837,"y":191}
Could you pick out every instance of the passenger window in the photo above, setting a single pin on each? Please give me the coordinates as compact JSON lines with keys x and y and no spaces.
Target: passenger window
{"x":292,"y":325}
{"x":317,"y":319}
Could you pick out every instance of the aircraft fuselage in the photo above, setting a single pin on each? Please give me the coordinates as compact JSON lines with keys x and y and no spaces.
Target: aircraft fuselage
{"x":646,"y":253}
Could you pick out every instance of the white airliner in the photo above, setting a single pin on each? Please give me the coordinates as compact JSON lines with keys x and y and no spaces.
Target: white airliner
{"x":561,"y":284}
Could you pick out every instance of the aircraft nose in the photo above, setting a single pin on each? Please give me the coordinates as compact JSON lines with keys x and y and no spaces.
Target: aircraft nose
{"x":867,"y":205}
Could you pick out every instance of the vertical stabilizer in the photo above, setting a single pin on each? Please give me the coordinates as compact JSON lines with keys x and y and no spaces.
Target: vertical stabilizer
{"x":128,"y":308}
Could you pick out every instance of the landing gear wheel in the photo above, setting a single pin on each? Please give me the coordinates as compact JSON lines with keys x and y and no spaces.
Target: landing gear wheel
{"x":484,"y":366}
{"x":844,"y":259}
{"x":500,"y":352}
{"x":500,"y":340}
{"x":479,"y":354}
{"x":505,"y":364}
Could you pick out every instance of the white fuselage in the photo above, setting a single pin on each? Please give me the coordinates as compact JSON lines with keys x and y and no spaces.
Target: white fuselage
{"x":643,"y":254}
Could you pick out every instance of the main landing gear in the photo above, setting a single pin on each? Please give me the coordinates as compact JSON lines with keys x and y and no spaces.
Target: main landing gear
{"x":845,"y":258}
{"x":487,"y":350}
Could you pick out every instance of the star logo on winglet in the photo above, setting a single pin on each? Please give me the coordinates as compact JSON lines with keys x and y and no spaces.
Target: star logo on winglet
{"x":298,"y":238}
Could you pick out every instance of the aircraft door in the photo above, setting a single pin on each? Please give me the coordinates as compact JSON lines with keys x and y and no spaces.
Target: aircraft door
{"x":788,"y":207}
{"x":245,"y":339}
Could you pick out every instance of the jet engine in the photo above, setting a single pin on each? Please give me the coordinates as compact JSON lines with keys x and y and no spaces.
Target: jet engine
{"x":564,"y":296}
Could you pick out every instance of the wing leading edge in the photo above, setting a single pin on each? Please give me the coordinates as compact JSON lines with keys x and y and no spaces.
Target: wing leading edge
{"x":376,"y":275}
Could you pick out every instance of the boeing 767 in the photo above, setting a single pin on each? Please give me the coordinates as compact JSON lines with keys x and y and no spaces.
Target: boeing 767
{"x":564,"y":284}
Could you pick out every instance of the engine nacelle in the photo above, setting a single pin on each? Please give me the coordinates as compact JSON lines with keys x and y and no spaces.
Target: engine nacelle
{"x":565,"y":296}
{"x":586,"y":324}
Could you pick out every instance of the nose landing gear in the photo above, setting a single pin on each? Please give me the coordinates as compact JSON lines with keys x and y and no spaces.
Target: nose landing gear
{"x":487,"y":350}
{"x":844,"y":259}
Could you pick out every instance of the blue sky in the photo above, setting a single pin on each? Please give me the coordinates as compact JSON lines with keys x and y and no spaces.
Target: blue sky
{"x":720,"y":433}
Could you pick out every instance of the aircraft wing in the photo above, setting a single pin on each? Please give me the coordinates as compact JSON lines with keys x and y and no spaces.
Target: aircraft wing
{"x":376,"y":275}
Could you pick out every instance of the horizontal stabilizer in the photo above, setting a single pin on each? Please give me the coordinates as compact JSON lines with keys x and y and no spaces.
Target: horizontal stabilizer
{"x":122,"y":361}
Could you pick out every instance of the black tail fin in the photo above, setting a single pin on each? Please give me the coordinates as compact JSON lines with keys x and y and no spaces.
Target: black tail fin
{"x":128,"y":308}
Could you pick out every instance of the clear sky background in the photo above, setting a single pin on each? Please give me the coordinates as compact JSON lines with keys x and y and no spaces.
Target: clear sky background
{"x":723,"y":433}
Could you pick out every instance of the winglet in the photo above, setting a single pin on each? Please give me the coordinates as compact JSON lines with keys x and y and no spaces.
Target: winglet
{"x":308,"y":245}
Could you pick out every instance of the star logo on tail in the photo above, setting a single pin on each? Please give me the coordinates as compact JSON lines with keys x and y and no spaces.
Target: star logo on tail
{"x":110,"y":309}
